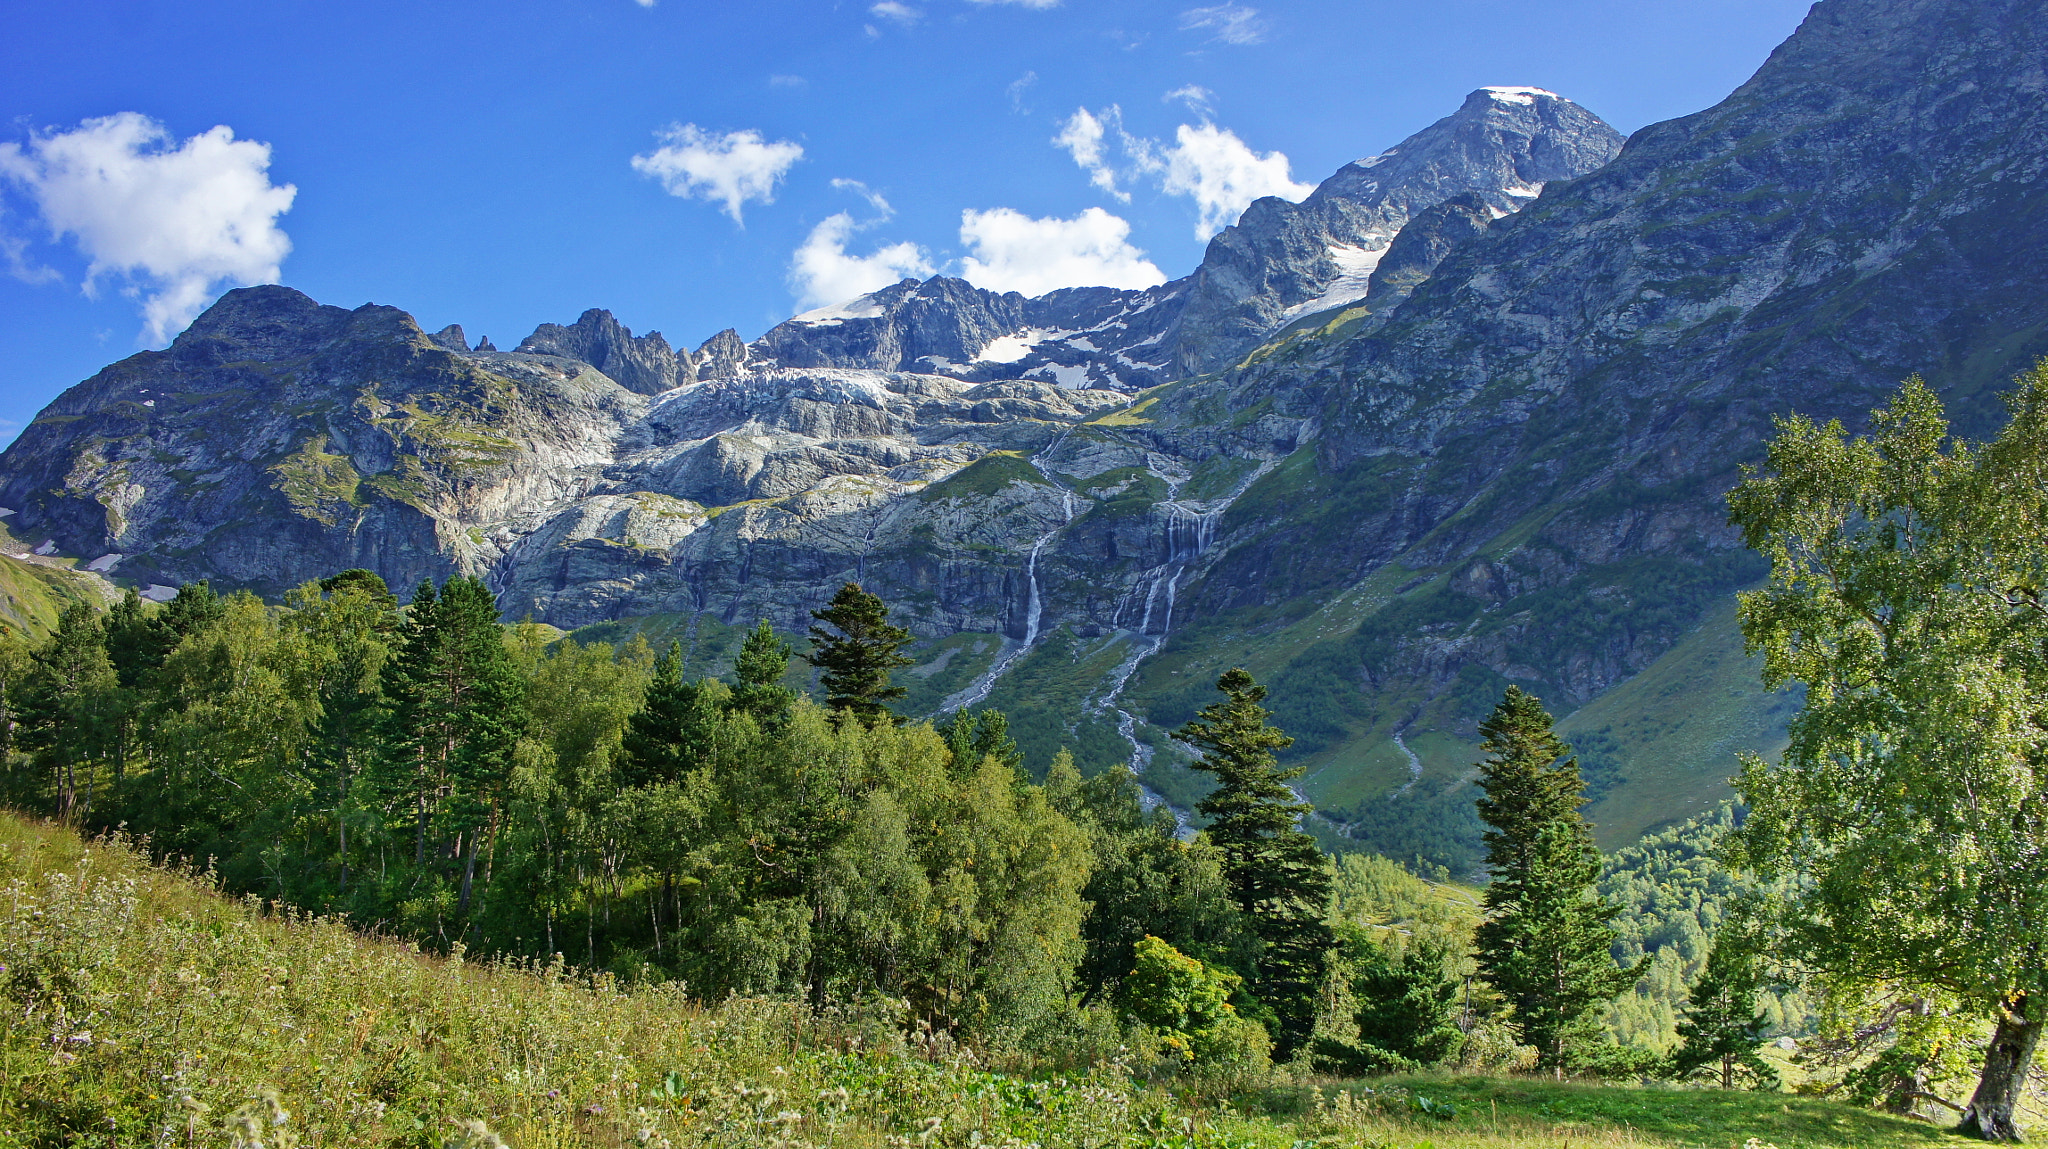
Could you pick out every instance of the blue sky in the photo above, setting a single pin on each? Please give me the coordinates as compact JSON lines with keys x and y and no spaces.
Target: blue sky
{"x":475,"y":163}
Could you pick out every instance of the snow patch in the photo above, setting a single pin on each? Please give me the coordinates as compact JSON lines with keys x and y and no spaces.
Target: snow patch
{"x":103,"y":564}
{"x":1010,"y":348}
{"x":1072,"y":378}
{"x":158,"y":592}
{"x":862,"y":307}
{"x":1513,"y":95}
{"x":1354,"y":276}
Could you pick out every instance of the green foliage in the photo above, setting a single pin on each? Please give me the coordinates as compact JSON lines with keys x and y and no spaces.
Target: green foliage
{"x":758,"y":674}
{"x":856,"y":662}
{"x":1187,"y":1004}
{"x":973,"y":735}
{"x":1546,"y":946}
{"x":1723,"y":1026}
{"x":1277,"y":876}
{"x":176,"y":1009}
{"x":1405,"y":1008}
{"x":1146,"y":880}
{"x":1904,"y":594}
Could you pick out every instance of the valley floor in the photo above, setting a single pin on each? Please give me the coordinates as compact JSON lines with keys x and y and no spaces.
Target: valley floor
{"x":143,"y":1008}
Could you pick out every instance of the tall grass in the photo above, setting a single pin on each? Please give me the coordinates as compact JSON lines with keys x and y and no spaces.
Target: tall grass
{"x":141,"y":1008}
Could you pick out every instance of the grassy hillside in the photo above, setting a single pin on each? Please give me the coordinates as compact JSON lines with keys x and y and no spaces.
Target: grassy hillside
{"x":33,"y":592}
{"x":142,"y":1008}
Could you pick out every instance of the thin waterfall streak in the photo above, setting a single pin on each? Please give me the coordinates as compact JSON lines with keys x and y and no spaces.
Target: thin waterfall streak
{"x":1034,"y":602}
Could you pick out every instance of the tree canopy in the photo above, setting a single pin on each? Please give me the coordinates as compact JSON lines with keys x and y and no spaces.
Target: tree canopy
{"x":1906,"y":596}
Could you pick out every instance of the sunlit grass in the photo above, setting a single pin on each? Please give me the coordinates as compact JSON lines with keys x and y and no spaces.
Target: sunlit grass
{"x":144,"y":1009}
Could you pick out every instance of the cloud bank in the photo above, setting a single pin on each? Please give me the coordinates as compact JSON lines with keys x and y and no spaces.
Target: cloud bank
{"x":177,"y":218}
{"x":1011,"y":251}
{"x":731,"y":168}
{"x":1208,"y":164}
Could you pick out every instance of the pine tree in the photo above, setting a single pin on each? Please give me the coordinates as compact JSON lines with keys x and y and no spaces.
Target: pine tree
{"x":1723,"y":1027}
{"x":857,"y":660}
{"x":1277,"y":875}
{"x":1546,"y":943}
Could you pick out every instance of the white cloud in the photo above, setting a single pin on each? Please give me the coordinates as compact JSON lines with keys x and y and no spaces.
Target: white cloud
{"x":1041,"y":4}
{"x":1083,"y":135}
{"x":1020,"y":88}
{"x":1231,"y":23}
{"x":1213,"y":167}
{"x":644,"y":3}
{"x":784,"y":80}
{"x":731,"y":168}
{"x":823,"y":272}
{"x":893,"y":10}
{"x":867,"y":193}
{"x":1198,"y":99}
{"x":178,"y":218}
{"x":1208,"y":164}
{"x":1010,"y":251}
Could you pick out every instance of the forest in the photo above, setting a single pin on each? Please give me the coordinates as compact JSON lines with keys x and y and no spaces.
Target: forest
{"x":421,"y":771}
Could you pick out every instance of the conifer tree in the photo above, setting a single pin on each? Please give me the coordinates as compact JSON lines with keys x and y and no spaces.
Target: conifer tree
{"x":453,"y":716}
{"x":1406,"y":1008}
{"x":1546,"y":943}
{"x":352,"y":617}
{"x":1277,"y":875}
{"x":973,"y":735}
{"x":764,"y":659}
{"x":64,"y":706}
{"x":1723,"y":1028}
{"x":670,"y":731}
{"x":857,"y":660}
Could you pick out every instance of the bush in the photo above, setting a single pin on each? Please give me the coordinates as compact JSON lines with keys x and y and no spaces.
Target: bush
{"x":1187,"y":1005}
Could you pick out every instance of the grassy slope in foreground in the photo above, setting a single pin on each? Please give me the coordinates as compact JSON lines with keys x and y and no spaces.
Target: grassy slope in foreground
{"x":143,"y":1008}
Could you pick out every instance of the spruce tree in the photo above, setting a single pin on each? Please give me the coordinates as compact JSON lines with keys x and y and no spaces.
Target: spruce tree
{"x":857,"y":660}
{"x":973,"y":735}
{"x":1723,"y":1028}
{"x":453,"y":714}
{"x":764,"y":659}
{"x":670,"y":731}
{"x":1277,"y":875}
{"x":1546,"y":943}
{"x":353,"y":618}
{"x":64,"y":706}
{"x":1406,"y":1009}
{"x":485,"y":698}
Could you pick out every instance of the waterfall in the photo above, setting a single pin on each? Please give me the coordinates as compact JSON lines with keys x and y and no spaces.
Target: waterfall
{"x":1034,"y":603}
{"x":1189,"y":533}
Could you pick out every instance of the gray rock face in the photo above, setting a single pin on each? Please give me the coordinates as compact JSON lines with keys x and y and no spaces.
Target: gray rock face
{"x":646,"y":364}
{"x":1284,"y":259}
{"x":1279,"y":262}
{"x":722,"y":356}
{"x":1423,"y":244}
